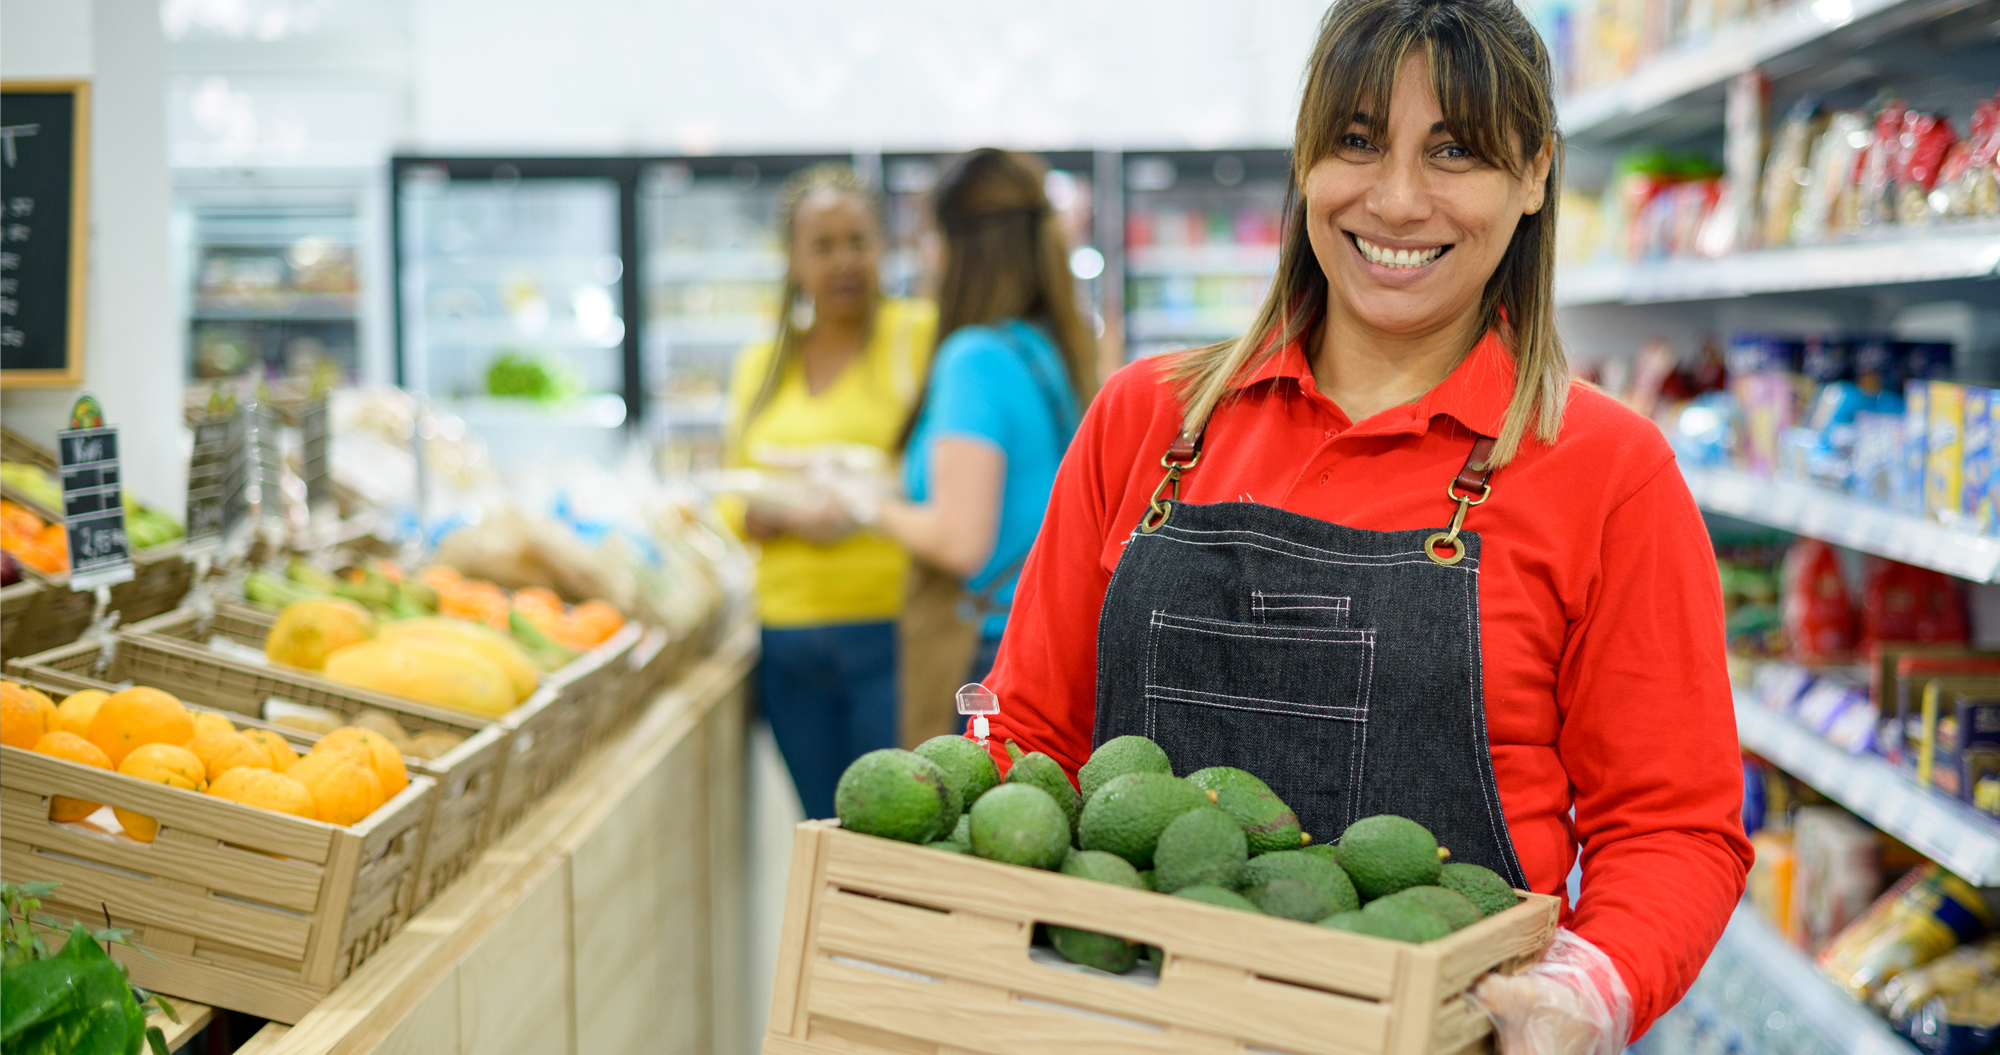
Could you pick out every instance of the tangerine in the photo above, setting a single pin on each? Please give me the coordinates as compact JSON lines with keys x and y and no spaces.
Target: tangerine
{"x":280,"y":749}
{"x":134,"y":717}
{"x":73,"y":748}
{"x":22,"y":720}
{"x":205,"y":721}
{"x":343,"y":791}
{"x":169,"y":764}
{"x":265,"y":790}
{"x":373,"y":750}
{"x":79,"y":708}
{"x":221,"y":752}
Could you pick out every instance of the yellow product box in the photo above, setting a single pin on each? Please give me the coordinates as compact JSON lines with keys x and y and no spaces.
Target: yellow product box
{"x":1944,"y":475}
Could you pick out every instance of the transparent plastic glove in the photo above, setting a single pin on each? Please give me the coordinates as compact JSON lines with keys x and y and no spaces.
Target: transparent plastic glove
{"x":1571,"y":1002}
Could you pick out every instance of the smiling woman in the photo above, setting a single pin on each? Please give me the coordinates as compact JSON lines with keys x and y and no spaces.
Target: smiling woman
{"x":1381,"y":551}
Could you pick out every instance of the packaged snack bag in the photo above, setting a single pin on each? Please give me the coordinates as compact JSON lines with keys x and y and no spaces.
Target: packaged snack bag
{"x":1926,"y":140}
{"x":1830,"y":173}
{"x":1873,"y":200}
{"x":1925,"y":915}
{"x":1819,"y":618}
{"x":1785,"y":170}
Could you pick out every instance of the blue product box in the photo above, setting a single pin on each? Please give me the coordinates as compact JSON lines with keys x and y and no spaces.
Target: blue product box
{"x":1878,"y":455}
{"x":1909,"y":490}
{"x":1976,"y":458}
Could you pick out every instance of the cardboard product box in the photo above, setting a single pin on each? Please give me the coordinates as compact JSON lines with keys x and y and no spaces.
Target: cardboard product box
{"x":1964,"y":742}
{"x":1909,"y":490}
{"x":1912,"y":667}
{"x":1943,"y":475}
{"x":1940,"y":734}
{"x":1976,"y":457}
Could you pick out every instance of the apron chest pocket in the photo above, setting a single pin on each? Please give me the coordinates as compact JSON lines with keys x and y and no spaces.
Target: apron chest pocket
{"x":1286,"y":702}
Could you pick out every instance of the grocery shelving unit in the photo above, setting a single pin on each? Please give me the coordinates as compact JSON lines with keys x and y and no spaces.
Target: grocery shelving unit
{"x":1756,"y":984}
{"x":1199,"y":243}
{"x":1805,"y":509}
{"x":1947,"y":831}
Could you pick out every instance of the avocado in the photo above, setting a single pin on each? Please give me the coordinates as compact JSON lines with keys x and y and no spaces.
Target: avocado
{"x":1386,"y":853}
{"x":1267,"y":822}
{"x":1215,"y":895}
{"x":1129,"y":812}
{"x":968,"y":769}
{"x":1118,"y":756}
{"x":1410,"y":917}
{"x":1145,"y":878}
{"x":960,"y":839}
{"x":1039,"y":770}
{"x":1292,"y":899}
{"x":951,"y":847}
{"x":1019,"y":824}
{"x":1202,"y":847}
{"x":1481,"y":886}
{"x":895,"y":794}
{"x":1377,"y":924}
{"x":1326,"y":850}
{"x":1309,"y":868}
{"x":1105,"y":952}
{"x":1450,"y":905}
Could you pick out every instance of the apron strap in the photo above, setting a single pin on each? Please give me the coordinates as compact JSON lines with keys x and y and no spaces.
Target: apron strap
{"x":1476,"y":478}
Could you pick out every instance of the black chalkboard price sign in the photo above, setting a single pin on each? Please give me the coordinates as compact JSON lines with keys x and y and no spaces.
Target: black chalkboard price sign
{"x":44,"y":181}
{"x":93,"y":500}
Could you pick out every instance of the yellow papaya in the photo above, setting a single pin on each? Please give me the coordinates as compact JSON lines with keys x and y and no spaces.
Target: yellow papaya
{"x":485,"y":640}
{"x":308,"y":631}
{"x":429,"y":671}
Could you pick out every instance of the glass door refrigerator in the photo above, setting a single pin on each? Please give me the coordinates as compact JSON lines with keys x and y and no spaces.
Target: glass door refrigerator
{"x":711,"y":271}
{"x":1201,"y":243}
{"x":513,"y":299}
{"x":271,"y":283}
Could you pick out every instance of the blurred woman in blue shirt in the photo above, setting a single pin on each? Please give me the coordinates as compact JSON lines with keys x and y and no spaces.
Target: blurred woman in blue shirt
{"x":982,"y":446}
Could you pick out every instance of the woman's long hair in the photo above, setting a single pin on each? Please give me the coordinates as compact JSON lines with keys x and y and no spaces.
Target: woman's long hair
{"x":803,"y":184}
{"x":1490,"y":70}
{"x":1005,"y":258}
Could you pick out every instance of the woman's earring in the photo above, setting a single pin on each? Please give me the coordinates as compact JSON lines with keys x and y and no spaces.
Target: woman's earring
{"x":802,"y":313}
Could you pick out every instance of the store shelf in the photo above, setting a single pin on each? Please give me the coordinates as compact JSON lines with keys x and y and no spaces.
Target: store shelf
{"x":1756,"y":966}
{"x":1803,"y":35}
{"x":677,"y":266}
{"x":1934,"y":254}
{"x":1157,"y":324}
{"x":1844,"y":520}
{"x":1945,"y":830}
{"x":277,"y":306}
{"x":726,"y":330}
{"x":1202,"y":260}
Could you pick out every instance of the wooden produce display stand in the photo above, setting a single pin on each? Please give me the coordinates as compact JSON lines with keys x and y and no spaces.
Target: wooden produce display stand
{"x":893,"y":948}
{"x":609,"y":920}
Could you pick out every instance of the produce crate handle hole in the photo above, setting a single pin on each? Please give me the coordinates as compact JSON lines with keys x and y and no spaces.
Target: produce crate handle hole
{"x":883,"y":968}
{"x":892,"y":900}
{"x":1290,"y":983}
{"x":1084,"y":1012}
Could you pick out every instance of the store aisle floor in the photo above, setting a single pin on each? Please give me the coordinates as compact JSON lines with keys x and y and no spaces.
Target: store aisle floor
{"x":774,"y":811}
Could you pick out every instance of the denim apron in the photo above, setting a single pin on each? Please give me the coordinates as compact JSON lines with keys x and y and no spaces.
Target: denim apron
{"x":1342,"y":666}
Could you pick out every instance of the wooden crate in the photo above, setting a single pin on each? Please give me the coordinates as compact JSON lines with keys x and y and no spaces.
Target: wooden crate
{"x":249,"y":909}
{"x":468,"y":777}
{"x":57,"y":615}
{"x":594,"y":684}
{"x":890,"y":947}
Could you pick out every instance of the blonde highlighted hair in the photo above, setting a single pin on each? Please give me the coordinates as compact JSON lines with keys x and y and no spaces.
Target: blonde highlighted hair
{"x":1491,"y":73}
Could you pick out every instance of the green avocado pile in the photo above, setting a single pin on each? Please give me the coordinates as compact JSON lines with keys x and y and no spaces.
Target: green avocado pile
{"x":1218,"y":835}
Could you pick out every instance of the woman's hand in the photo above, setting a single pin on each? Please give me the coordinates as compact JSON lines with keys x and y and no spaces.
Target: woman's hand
{"x":822,"y":525}
{"x":1571,"y":1002}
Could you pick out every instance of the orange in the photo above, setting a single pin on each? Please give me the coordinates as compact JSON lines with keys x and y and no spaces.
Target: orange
{"x":176,"y":767}
{"x":280,"y":749}
{"x":221,"y":752}
{"x":75,"y":749}
{"x":79,"y":708}
{"x":374,"y":750}
{"x":22,"y":719}
{"x":539,"y":605}
{"x":588,"y":625}
{"x":205,"y":721}
{"x":265,"y":790}
{"x":342,"y":790}
{"x":138,"y":716}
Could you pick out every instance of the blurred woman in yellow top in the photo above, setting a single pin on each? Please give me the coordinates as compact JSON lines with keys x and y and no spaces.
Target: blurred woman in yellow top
{"x":837,"y":382}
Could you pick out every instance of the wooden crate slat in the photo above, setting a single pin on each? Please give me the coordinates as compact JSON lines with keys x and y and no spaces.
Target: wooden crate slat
{"x":930,"y":1012}
{"x":1336,"y":961}
{"x":246,"y":827}
{"x":175,"y":854}
{"x":1307,"y":1021}
{"x":147,"y":899}
{"x":1511,"y":938}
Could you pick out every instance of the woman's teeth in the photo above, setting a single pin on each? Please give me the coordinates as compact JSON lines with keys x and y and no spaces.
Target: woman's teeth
{"x":1397,"y":258}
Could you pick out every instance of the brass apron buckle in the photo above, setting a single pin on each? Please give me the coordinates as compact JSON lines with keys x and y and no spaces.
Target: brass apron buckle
{"x":1450,"y":537}
{"x":1159,"y":509}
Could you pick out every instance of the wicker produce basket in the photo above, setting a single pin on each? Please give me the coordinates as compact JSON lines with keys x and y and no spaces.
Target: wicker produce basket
{"x":243,"y":908}
{"x":468,"y":777}
{"x":894,"y":947}
{"x":57,"y":615}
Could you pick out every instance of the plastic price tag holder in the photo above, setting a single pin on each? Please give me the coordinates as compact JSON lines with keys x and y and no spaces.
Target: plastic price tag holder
{"x":977,"y":701}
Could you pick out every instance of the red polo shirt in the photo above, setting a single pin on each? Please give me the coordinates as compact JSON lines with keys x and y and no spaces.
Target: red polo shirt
{"x":1600,"y":622}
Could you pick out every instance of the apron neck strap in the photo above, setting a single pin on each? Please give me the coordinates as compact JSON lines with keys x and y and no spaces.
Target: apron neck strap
{"x":1478,"y":471}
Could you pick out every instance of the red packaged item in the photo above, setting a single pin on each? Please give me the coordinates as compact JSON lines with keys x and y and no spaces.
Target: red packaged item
{"x":1970,"y":162}
{"x":1873,"y":205}
{"x":1927,"y":138}
{"x":1901,"y":602}
{"x":1817,"y":615}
